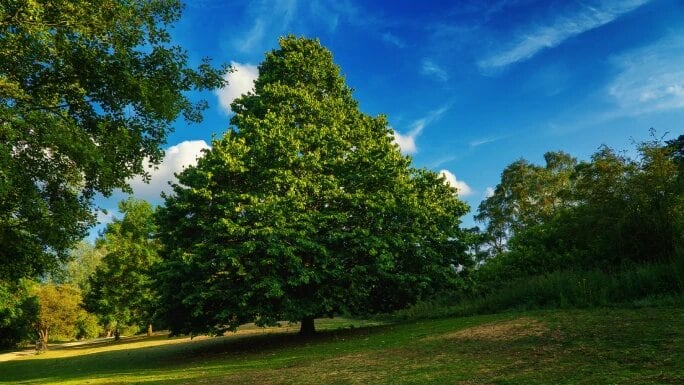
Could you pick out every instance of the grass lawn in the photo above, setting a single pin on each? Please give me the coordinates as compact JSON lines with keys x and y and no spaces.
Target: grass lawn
{"x":597,"y":346}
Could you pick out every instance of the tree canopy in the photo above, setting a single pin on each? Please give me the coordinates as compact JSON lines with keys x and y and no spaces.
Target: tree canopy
{"x":59,"y":308}
{"x":305,"y":208}
{"x":88,"y":93}
{"x":527,"y":195}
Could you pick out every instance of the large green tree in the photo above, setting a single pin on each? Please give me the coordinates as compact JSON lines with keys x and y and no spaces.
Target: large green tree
{"x":88,"y":93}
{"x":305,"y":208}
{"x":121,"y":291}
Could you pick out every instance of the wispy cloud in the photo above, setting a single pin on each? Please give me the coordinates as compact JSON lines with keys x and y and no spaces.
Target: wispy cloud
{"x":431,"y":69}
{"x":535,"y":38}
{"x":407,"y":142}
{"x":650,"y":78}
{"x":240,"y":81}
{"x":461,"y":186}
{"x":392,"y":39}
{"x":270,"y":18}
{"x":331,"y":12}
{"x":487,"y":140}
{"x":489,"y":192}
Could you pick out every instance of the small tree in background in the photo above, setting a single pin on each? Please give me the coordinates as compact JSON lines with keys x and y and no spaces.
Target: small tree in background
{"x":306,"y":208}
{"x":59,"y":307}
{"x":121,"y":290}
{"x":84,"y":261}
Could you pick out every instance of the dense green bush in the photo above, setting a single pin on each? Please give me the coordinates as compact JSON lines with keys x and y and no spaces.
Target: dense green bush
{"x":87,"y":326}
{"x":638,"y":285}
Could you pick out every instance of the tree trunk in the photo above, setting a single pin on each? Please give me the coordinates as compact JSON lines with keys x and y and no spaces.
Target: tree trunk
{"x":149,"y":330}
{"x":308,"y":328}
{"x":43,"y":335}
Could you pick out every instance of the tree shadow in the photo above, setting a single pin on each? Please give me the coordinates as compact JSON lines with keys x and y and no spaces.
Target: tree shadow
{"x":232,"y":352}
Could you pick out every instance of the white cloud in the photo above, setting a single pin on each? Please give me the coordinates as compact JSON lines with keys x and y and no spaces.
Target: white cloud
{"x":651,"y":78}
{"x":489,"y":192}
{"x":538,"y":37}
{"x":461,"y":186}
{"x":240,"y":81}
{"x":176,"y":158}
{"x":430,"y":68}
{"x":407,"y":142}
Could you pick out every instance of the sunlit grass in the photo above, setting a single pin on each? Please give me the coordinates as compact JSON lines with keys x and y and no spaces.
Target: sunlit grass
{"x":600,"y":346}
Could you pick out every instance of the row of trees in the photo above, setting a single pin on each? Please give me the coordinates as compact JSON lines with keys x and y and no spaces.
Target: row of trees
{"x":608,"y":212}
{"x":103,"y":288}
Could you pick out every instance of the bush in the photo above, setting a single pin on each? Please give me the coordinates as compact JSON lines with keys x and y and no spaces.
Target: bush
{"x":129,"y":330}
{"x":562,"y":289}
{"x":87,"y":326}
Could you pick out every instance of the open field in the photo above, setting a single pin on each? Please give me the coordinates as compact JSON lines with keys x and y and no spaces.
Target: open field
{"x":598,"y":346}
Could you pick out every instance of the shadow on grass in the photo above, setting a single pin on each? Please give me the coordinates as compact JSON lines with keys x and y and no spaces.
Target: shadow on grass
{"x":225,"y":354}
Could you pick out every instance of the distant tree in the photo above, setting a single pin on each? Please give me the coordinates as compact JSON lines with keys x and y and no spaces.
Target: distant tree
{"x":677,"y":147}
{"x":88,"y":93}
{"x":121,"y":289}
{"x":59,"y":307}
{"x":527,"y":195}
{"x":84,"y":260}
{"x":619,"y":211}
{"x":306,"y":208}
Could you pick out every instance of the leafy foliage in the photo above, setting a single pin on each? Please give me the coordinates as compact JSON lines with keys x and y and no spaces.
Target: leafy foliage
{"x":84,"y":260}
{"x":18,"y":311}
{"x":305,"y":208}
{"x":121,"y":289}
{"x":527,"y":195}
{"x":88,"y":92}
{"x":618,"y":211}
{"x":59,"y":311}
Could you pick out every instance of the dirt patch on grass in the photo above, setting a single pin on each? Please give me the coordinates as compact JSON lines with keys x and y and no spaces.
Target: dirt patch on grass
{"x":499,"y":331}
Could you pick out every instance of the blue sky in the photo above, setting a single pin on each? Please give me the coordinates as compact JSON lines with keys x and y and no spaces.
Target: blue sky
{"x":468,"y":86}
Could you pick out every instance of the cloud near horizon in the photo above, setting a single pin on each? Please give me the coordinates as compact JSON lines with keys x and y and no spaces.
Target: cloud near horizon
{"x":240,"y":81}
{"x":407,"y":142}
{"x":461,"y":186}
{"x":176,"y":158}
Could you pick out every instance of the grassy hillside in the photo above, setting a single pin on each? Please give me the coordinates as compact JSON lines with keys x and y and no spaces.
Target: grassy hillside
{"x":598,"y":346}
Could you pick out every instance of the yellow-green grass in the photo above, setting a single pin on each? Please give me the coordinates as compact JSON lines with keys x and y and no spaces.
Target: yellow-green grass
{"x":597,"y":346}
